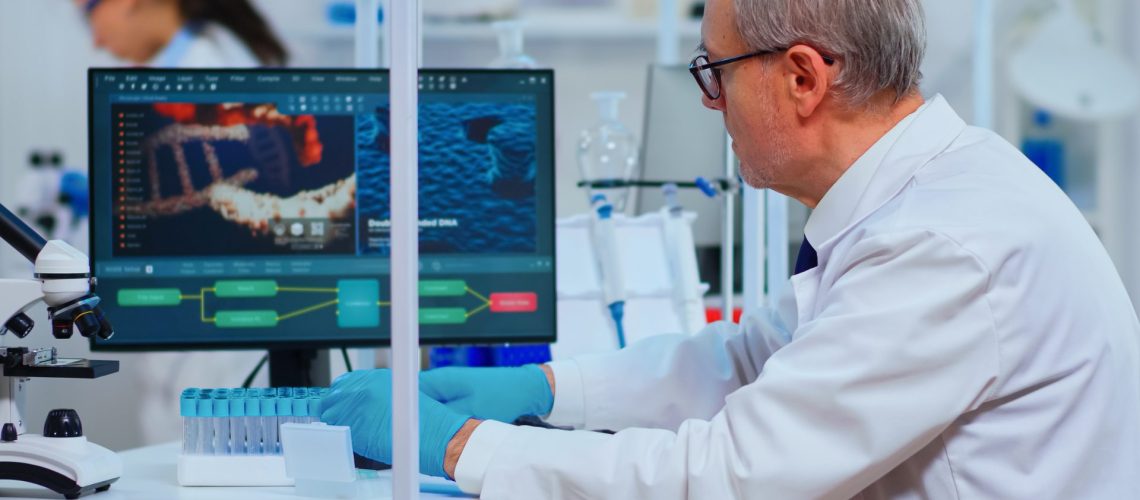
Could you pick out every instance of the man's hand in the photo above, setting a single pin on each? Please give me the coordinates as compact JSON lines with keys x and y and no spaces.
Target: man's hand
{"x":362,"y":400}
{"x":502,"y":394}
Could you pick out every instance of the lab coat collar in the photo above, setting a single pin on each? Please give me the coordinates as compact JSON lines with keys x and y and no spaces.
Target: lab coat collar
{"x":175,"y":51}
{"x":883,"y":171}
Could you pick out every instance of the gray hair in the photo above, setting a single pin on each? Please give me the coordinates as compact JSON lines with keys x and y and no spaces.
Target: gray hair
{"x":879,"y":42}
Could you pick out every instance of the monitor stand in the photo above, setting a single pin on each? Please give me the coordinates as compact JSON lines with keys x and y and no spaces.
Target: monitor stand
{"x":298,"y":368}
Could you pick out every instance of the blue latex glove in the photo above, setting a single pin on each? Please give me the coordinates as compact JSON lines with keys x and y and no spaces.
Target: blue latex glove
{"x":502,"y":394}
{"x":362,"y":400}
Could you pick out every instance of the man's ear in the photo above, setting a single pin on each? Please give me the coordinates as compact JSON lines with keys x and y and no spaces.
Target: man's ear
{"x":808,"y":78}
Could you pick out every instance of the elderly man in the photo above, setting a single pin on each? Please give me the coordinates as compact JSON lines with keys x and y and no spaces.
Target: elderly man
{"x":953,"y":330}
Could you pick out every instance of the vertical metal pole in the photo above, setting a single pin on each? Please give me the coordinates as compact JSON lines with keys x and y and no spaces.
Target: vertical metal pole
{"x":984,"y":63}
{"x":367,"y":34}
{"x":668,"y":33}
{"x":728,"y":234}
{"x":754,"y":247}
{"x":404,"y":99}
{"x":776,"y":222}
{"x":367,"y":55}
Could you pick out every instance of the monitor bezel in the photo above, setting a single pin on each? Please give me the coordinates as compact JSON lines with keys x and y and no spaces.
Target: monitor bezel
{"x":93,"y":72}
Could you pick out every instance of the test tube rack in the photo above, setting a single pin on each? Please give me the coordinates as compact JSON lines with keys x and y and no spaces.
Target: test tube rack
{"x":231,"y":437}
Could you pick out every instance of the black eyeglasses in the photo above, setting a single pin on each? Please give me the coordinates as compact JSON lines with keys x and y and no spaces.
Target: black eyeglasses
{"x":707,"y":73}
{"x":90,"y":6}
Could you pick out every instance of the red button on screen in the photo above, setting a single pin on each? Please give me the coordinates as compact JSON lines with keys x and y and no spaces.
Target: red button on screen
{"x":514,"y":302}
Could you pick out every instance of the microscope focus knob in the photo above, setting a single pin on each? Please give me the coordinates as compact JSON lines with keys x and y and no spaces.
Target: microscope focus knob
{"x":20,"y":324}
{"x":63,"y":424}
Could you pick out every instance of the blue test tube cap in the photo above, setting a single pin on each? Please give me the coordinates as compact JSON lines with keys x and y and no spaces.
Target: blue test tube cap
{"x":252,"y":406}
{"x":301,"y":406}
{"x":237,"y":406}
{"x":221,"y":406}
{"x":188,"y":405}
{"x":268,"y":405}
{"x":285,"y":407}
{"x":315,"y":407}
{"x":205,"y":407}
{"x":191,"y":391}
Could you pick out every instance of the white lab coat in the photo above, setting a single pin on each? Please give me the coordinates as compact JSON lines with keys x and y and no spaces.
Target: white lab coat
{"x":965,"y":335}
{"x":161,"y":376}
{"x":209,"y":46}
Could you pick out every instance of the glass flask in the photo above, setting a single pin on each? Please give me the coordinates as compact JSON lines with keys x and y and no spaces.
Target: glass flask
{"x":607,"y":152}
{"x":511,"y":46}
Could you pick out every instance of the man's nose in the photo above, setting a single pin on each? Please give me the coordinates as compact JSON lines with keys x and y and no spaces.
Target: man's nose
{"x":713,"y":104}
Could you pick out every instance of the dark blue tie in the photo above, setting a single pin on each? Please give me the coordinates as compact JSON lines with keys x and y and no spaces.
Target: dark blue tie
{"x":807,"y":258}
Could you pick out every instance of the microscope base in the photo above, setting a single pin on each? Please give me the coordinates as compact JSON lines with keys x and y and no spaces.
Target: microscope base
{"x":71,"y":467}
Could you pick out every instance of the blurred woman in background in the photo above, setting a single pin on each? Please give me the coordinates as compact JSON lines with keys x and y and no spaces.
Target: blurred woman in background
{"x":184,"y":33}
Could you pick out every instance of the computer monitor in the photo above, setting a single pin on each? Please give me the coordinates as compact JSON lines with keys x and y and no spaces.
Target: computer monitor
{"x":250,"y":208}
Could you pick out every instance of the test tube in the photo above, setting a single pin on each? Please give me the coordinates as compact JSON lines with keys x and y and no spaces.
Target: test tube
{"x":221,"y":422}
{"x":188,"y":407}
{"x":301,"y":407}
{"x":284,"y":412}
{"x":314,"y":409}
{"x":205,"y":429}
{"x":253,"y":421}
{"x":238,"y":442}
{"x":269,"y":423}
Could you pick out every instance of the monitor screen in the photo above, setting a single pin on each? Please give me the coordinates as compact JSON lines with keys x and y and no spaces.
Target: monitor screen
{"x":250,"y":208}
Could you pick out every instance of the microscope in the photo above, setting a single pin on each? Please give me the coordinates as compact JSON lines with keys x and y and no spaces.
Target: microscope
{"x":60,"y":459}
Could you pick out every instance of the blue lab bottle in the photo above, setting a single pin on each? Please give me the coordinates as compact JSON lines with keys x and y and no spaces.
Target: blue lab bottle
{"x":1044,"y":146}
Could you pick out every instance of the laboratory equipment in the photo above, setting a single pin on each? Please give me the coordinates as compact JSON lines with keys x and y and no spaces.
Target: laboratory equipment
{"x":607,"y":151}
{"x":53,"y":198}
{"x":511,"y":55}
{"x":649,"y":284}
{"x":1045,"y":147}
{"x":1068,"y":68}
{"x":682,"y":140}
{"x":231,"y":437}
{"x":607,"y":255}
{"x":678,"y":240}
{"x":61,"y":459}
{"x":290,"y":169}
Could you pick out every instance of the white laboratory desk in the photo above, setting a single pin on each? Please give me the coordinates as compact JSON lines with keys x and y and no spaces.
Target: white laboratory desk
{"x":151,"y":473}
